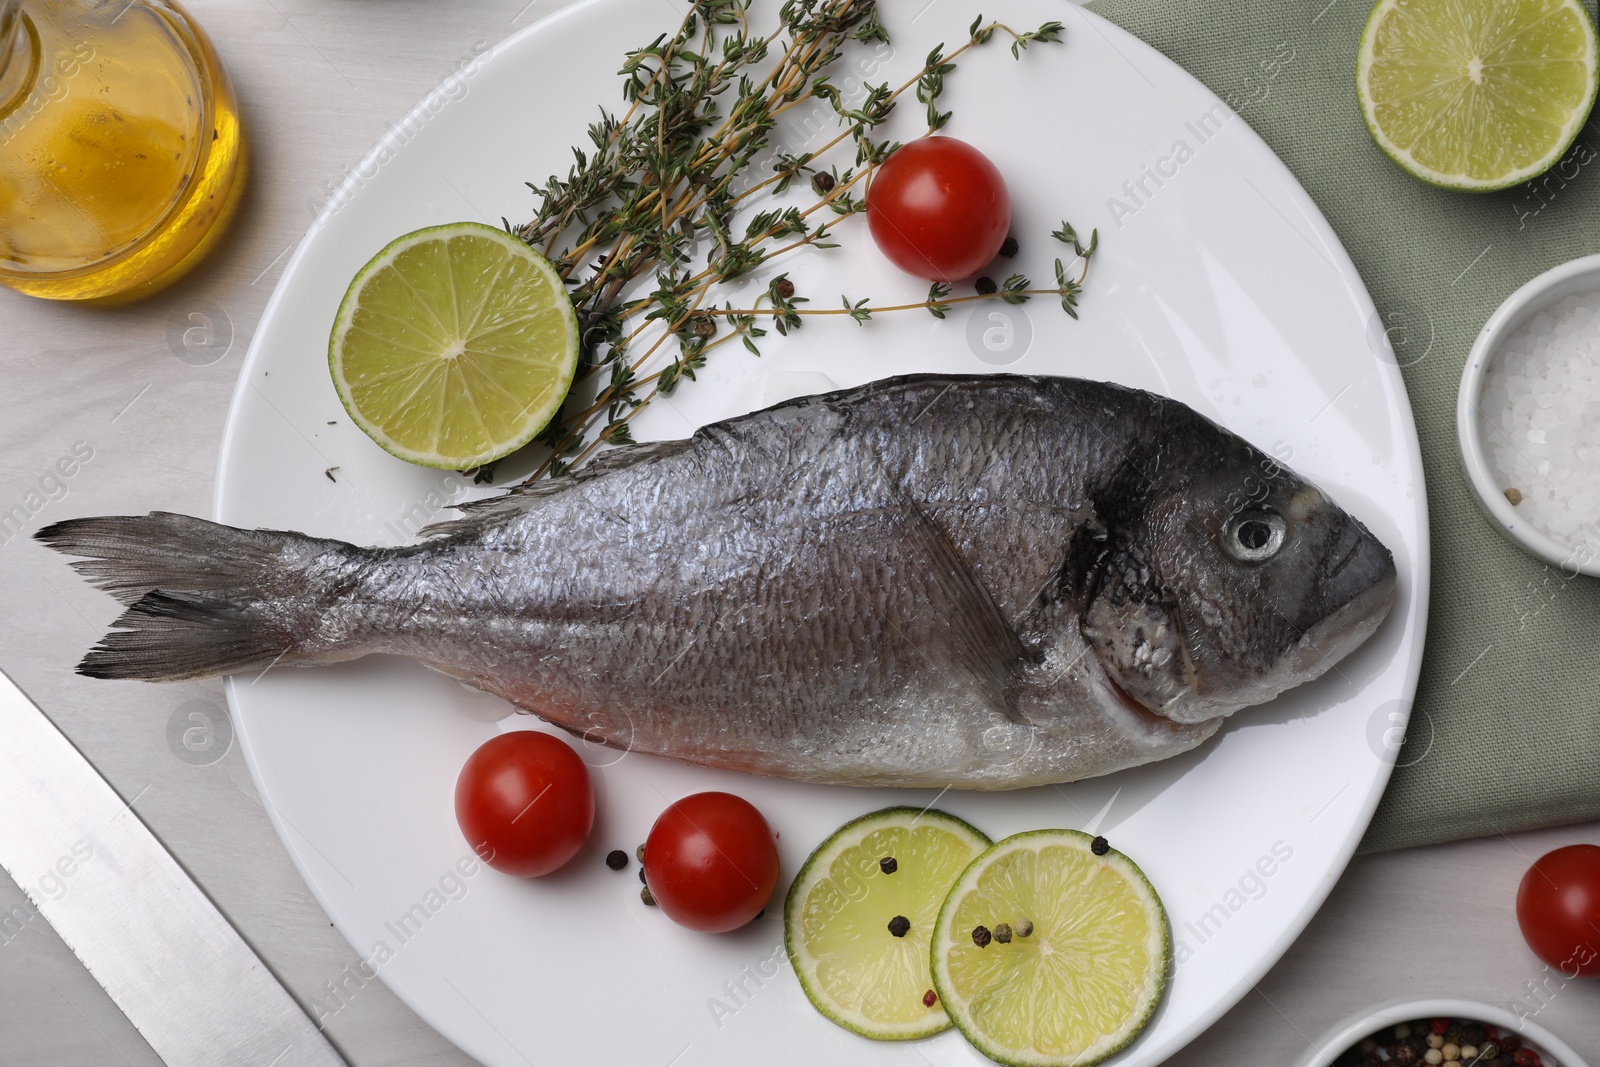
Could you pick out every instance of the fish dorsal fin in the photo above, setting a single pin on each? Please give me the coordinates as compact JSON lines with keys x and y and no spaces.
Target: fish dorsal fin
{"x":477,"y":514}
{"x":618,"y":458}
{"x":978,"y":639}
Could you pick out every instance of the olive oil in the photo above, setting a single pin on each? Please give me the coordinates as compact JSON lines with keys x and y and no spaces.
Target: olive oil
{"x":121,"y":156}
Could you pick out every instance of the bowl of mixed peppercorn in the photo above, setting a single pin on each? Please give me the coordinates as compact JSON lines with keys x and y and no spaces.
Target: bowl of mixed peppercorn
{"x":1440,"y":1033}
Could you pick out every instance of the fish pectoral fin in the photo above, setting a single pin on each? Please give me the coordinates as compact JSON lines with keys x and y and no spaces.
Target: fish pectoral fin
{"x":979,"y":642}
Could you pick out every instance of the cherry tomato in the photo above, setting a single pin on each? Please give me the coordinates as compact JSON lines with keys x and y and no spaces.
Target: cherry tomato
{"x":1558,"y":908}
{"x":711,"y":862}
{"x":524,"y":802}
{"x":938,"y":209}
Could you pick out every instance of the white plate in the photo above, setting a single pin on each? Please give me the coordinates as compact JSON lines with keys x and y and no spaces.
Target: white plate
{"x":1221,"y":286}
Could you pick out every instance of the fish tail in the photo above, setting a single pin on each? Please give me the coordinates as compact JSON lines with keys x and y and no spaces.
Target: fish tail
{"x":201,"y":595}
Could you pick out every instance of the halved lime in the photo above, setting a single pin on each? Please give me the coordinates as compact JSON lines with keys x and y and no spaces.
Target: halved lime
{"x":1071,"y":959}
{"x":1479,"y":95}
{"x":860,"y":915}
{"x":454,"y":345}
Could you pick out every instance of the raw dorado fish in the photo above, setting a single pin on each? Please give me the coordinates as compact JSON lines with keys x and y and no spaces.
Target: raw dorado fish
{"x":986,"y":582}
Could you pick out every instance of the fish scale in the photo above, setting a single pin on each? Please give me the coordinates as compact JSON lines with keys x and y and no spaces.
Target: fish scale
{"x":984,"y":582}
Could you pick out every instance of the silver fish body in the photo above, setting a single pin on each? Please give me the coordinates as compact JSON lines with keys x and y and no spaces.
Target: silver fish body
{"x":985,"y":582}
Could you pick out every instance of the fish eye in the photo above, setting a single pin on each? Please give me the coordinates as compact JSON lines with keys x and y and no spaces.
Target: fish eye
{"x":1254,"y":536}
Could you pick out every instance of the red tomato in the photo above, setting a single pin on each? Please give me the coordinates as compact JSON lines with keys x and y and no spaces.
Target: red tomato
{"x":1558,"y":908}
{"x":938,"y":209}
{"x":711,"y":862}
{"x":524,"y":803}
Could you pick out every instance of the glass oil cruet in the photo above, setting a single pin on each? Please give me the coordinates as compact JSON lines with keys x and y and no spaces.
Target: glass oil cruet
{"x":121,"y":157}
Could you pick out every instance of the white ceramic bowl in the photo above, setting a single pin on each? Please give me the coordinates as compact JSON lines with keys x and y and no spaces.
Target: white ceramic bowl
{"x":1578,"y":276}
{"x":1554,"y":1051}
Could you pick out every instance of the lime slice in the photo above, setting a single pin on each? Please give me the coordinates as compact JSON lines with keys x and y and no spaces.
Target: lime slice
{"x":1077,"y":968}
{"x":1479,"y":95}
{"x":454,"y":345}
{"x":837,"y":918}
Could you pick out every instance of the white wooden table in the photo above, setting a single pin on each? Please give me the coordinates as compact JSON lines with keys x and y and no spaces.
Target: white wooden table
{"x":320,"y":81}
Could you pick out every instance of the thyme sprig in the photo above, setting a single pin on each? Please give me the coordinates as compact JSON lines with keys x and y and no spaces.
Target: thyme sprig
{"x":1014,"y":290}
{"x":655,"y":213}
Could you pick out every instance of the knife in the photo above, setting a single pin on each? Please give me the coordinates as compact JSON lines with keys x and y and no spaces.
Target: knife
{"x":141,"y":926}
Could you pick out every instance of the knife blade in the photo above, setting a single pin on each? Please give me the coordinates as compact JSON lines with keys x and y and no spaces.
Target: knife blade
{"x":145,"y":931}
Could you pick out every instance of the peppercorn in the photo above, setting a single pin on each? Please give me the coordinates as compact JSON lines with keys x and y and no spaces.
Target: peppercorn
{"x":641,"y":874}
{"x":616,"y":859}
{"x":784,"y":288}
{"x":930,"y":998}
{"x":1435,"y":1041}
{"x":1510,"y":1043}
{"x":888,"y":865}
{"x":1475,"y":1035}
{"x":1469,"y":1052}
{"x":1024,"y":927}
{"x":1405,"y":1055}
{"x":1402,"y":1031}
{"x":986,"y":286}
{"x":1368,"y":1045}
{"x":1526,"y":1057}
{"x":980,"y":936}
{"x":822,"y":182}
{"x":1432,"y":1057}
{"x":899,"y":925}
{"x":644,"y":895}
{"x":1450,"y":1051}
{"x":1099,"y":846}
{"x":1489,"y":1050}
{"x":1439,"y":1026}
{"x":1453,"y":1034}
{"x":1008,"y":247}
{"x":705,"y":326}
{"x":1002,"y":933}
{"x":638,"y":853}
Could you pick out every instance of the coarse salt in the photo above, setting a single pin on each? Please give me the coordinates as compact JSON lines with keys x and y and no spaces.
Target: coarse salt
{"x":1539,"y":417}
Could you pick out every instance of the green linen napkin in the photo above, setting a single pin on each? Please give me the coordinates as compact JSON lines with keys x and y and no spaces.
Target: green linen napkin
{"x":1505,"y":730}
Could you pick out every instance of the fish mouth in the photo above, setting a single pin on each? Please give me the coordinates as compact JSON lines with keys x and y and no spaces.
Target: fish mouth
{"x":1345,"y":629}
{"x":1359,"y":587}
